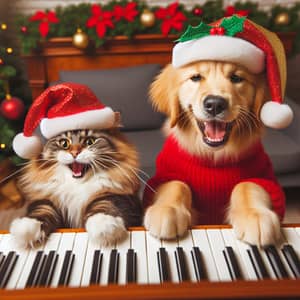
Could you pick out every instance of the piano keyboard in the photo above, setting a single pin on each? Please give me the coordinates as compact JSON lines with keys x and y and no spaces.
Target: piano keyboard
{"x":204,"y":255}
{"x":70,"y":259}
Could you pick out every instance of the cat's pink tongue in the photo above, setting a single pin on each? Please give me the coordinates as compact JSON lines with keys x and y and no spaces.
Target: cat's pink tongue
{"x":77,"y":169}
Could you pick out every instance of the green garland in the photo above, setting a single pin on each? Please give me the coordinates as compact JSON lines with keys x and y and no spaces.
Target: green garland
{"x":75,"y":16}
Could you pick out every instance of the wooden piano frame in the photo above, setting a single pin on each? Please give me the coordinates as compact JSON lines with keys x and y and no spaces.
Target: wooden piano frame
{"x":265,"y":289}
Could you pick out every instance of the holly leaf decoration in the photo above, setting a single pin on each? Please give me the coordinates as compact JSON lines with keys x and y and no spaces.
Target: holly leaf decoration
{"x":195,"y":32}
{"x":233,"y":25}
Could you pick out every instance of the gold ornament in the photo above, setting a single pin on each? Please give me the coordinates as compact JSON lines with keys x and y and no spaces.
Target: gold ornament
{"x":282,"y":19}
{"x":80,"y":39}
{"x":147,"y":18}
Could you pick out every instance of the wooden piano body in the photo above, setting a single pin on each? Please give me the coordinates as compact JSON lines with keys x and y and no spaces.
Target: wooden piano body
{"x":241,"y":289}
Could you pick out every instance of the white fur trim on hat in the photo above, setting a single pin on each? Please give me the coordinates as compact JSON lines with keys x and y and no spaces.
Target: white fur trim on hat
{"x":221,"y":48}
{"x":91,"y":119}
{"x":276,"y":115}
{"x":27,"y":146}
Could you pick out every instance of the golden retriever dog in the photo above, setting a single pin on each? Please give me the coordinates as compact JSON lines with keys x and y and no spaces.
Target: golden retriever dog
{"x":213,"y":121}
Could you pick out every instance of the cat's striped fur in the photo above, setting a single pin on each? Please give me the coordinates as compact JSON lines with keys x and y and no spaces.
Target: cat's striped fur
{"x":79,"y":175}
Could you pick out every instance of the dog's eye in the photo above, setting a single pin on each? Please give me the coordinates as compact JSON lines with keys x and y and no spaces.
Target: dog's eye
{"x":196,"y":77}
{"x":236,"y":79}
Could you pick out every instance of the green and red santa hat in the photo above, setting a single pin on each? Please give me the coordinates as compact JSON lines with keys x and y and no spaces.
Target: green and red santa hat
{"x":238,"y":40}
{"x":63,"y":107}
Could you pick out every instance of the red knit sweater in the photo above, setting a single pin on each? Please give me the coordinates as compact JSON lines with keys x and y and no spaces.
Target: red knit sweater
{"x":212,"y":184}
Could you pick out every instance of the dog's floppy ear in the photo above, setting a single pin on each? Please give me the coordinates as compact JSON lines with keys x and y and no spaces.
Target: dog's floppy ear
{"x":164,"y":94}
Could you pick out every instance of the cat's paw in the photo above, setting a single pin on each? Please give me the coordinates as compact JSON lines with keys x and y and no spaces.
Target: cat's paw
{"x":27,"y":232}
{"x":167,"y":222}
{"x":257,"y":227}
{"x":105,"y":230}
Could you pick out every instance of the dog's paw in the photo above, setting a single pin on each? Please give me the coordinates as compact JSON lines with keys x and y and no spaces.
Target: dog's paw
{"x":257,"y":227}
{"x":27,"y":232}
{"x":105,"y":230}
{"x":167,"y":222}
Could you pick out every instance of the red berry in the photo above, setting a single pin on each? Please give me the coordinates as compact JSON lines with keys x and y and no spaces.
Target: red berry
{"x":213,"y":31}
{"x":24,"y":29}
{"x":197,"y":11}
{"x":220,"y":30}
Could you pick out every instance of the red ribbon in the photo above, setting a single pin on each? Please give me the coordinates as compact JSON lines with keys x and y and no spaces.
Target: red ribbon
{"x":100,"y":19}
{"x":231,"y":10}
{"x":128,"y":12}
{"x":171,"y":18}
{"x":45,"y":18}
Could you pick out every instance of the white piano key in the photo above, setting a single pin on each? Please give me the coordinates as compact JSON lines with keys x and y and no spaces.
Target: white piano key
{"x":170,"y":246}
{"x":217,"y":246}
{"x":8,"y":243}
{"x":138,"y":243}
{"x":66,"y":243}
{"x":122,"y":248}
{"x":88,"y":263}
{"x":105,"y":264}
{"x":52,"y":242}
{"x":241,"y":254}
{"x":153,"y":245}
{"x":266,"y":262}
{"x":201,"y":240}
{"x":187,"y":244}
{"x":292,"y":238}
{"x":79,"y":249}
{"x":298,"y":230}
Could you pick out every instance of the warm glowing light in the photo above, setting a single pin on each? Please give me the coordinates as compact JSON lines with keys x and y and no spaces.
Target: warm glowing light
{"x":2,"y":146}
{"x":3,"y":26}
{"x":9,"y":50}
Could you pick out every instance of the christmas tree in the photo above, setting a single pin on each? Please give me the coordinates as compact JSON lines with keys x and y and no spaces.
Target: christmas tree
{"x":14,"y":93}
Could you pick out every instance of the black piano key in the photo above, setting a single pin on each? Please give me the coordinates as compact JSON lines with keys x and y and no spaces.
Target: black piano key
{"x":181,"y":265}
{"x":48,"y":270}
{"x":292,"y":259}
{"x":232,"y":263}
{"x":8,"y":267}
{"x":113,"y":266}
{"x":131,"y":266}
{"x":257,"y":263}
{"x":198,"y":264}
{"x":163,"y":265}
{"x":2,"y":258}
{"x":96,"y":267}
{"x":34,"y":273}
{"x":276,"y":263}
{"x":66,"y":270}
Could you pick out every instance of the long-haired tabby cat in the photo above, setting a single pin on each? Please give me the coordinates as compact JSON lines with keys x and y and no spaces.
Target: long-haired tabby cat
{"x":82,"y":178}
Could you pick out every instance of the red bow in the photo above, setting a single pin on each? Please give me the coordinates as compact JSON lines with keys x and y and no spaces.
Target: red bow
{"x":171,"y":18}
{"x":128,"y":12}
{"x":45,"y":19}
{"x":231,"y":10}
{"x":100,"y":19}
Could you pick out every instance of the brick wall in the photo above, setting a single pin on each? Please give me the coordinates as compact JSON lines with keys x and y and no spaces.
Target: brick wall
{"x":29,"y":6}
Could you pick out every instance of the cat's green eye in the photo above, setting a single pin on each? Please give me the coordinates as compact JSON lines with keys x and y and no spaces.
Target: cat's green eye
{"x":89,"y":141}
{"x":64,"y":143}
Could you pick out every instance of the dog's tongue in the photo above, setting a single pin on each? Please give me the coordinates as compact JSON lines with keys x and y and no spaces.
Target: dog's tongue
{"x":77,"y":169}
{"x":215,"y":130}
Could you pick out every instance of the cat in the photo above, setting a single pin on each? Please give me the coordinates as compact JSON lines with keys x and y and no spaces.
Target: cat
{"x":82,"y":178}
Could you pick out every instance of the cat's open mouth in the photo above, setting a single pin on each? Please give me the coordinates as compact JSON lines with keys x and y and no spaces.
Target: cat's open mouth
{"x":78,"y":169}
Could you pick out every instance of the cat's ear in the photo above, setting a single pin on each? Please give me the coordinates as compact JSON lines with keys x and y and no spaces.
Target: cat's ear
{"x":118,"y":121}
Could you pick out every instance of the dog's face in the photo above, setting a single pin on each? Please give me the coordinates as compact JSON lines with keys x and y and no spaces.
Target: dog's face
{"x":212,"y":106}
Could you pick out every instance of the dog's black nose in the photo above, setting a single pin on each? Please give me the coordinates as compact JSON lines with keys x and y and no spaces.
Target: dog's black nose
{"x":214,"y":105}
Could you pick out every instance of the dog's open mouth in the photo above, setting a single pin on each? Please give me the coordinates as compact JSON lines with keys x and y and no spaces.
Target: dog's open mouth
{"x":215,"y":133}
{"x":78,"y":169}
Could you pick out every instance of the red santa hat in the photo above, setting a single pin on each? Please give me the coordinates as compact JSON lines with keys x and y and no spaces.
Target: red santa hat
{"x":238,"y":40}
{"x":67,"y":106}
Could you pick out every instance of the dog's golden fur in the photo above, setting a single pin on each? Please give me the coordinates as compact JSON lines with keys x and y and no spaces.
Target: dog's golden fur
{"x":181,"y":99}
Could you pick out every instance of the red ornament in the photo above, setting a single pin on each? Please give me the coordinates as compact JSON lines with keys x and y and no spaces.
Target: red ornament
{"x":24,"y":29}
{"x":231,"y":10}
{"x":128,"y":12}
{"x":217,"y":31}
{"x":100,"y":19}
{"x":12,"y":108}
{"x":1,"y":62}
{"x":171,"y":18}
{"x":197,"y":11}
{"x":45,"y":18}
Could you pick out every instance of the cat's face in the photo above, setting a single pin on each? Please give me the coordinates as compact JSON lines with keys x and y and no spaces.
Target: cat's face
{"x":83,"y":151}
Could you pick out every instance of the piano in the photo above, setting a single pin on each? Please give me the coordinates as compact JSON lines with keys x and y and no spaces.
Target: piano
{"x":208,"y":263}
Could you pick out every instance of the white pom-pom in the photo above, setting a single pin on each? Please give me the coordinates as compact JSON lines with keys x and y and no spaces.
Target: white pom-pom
{"x":27,"y":147}
{"x":276,"y":115}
